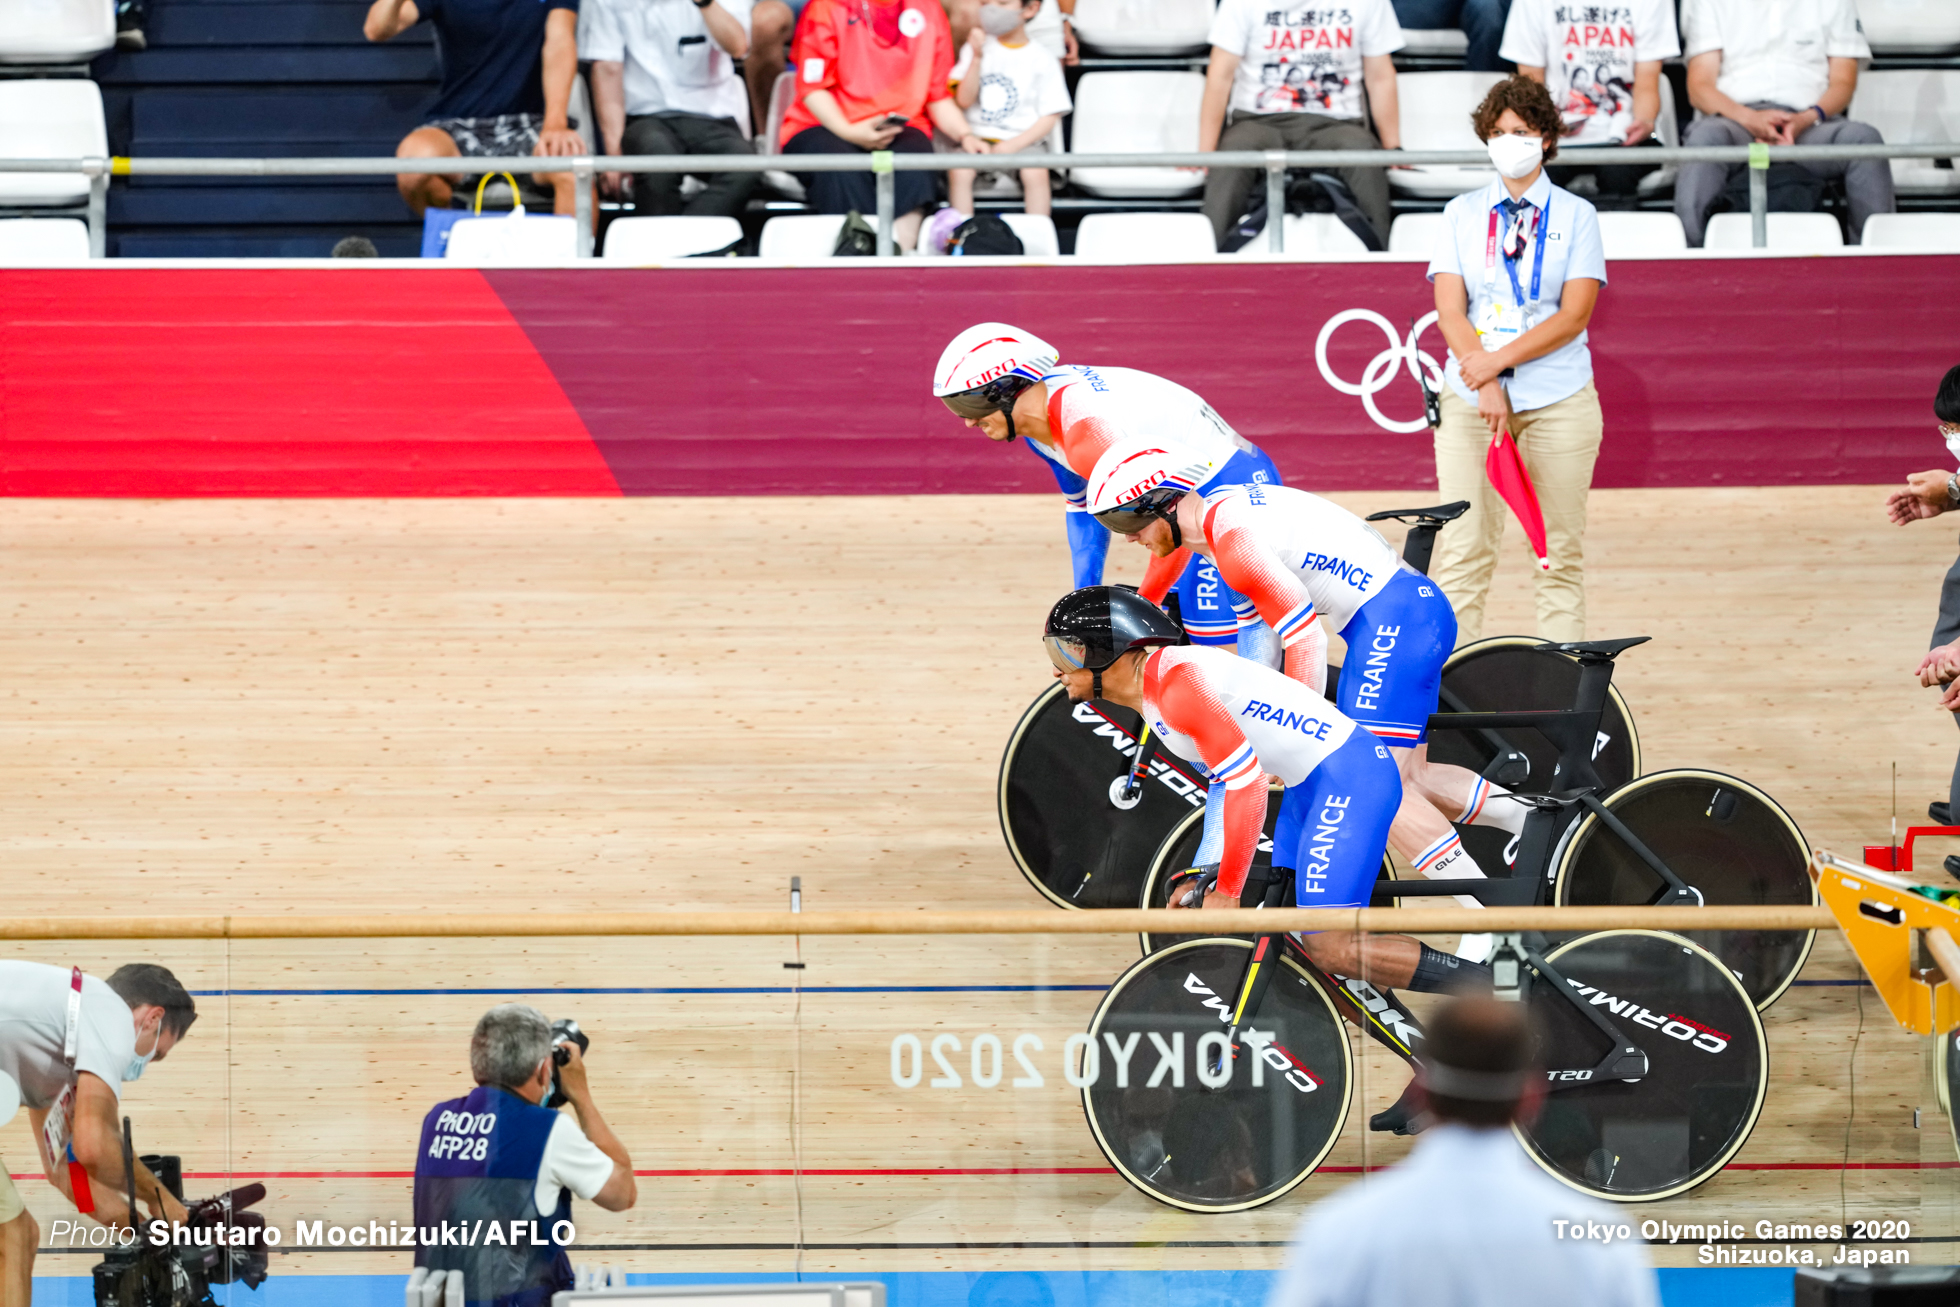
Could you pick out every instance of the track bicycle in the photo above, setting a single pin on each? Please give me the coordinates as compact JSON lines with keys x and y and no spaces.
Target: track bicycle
{"x":1685,"y":836}
{"x":1084,"y":810}
{"x":1653,"y":1053}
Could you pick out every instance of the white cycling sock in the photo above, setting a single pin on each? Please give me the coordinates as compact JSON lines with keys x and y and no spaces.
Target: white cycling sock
{"x":1486,"y":806}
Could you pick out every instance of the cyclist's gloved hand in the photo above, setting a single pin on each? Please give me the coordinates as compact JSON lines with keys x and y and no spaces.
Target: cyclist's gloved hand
{"x":1187,"y":889}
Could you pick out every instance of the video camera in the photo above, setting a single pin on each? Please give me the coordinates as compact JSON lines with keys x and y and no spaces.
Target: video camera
{"x":563,"y":1031}
{"x":182,"y":1275}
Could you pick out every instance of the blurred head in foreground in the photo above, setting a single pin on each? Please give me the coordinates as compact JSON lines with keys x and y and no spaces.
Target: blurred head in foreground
{"x":1477,"y":1065}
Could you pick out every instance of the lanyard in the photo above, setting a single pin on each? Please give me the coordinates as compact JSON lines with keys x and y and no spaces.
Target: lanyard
{"x":1542,"y":219}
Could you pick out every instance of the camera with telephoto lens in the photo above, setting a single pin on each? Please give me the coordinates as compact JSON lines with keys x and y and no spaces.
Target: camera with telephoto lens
{"x":563,"y":1031}
{"x":181,"y":1275}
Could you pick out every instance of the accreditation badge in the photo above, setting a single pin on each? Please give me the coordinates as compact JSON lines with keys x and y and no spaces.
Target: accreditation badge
{"x":55,"y":1131}
{"x":1498,"y":323}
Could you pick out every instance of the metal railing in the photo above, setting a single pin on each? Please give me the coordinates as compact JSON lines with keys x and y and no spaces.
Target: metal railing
{"x":884,"y":164}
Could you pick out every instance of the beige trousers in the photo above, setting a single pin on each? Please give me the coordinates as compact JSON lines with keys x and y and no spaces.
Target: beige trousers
{"x":1559,"y":443}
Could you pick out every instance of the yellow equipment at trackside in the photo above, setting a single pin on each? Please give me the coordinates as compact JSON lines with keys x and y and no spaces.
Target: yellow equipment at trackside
{"x":1906,"y":935}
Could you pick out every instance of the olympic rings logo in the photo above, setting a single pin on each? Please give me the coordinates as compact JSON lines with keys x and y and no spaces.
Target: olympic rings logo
{"x":1382,"y":368}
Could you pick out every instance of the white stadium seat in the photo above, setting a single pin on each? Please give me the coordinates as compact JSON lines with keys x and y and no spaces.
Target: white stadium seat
{"x":1914,"y":106}
{"x":1629,"y":235}
{"x":1931,"y":232}
{"x":1910,"y":27}
{"x":1311,"y":236}
{"x":1789,"y":233}
{"x":42,"y":242}
{"x":649,"y":240}
{"x":55,"y":31}
{"x":1037,"y":233}
{"x":1436,"y":111}
{"x":60,"y":118}
{"x":1138,"y":113}
{"x":533,"y":240}
{"x":1415,"y":233}
{"x":800,"y":237}
{"x":1434,"y":41}
{"x":1143,"y":27}
{"x":1145,"y":237}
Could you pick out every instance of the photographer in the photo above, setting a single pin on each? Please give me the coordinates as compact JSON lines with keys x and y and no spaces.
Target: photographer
{"x":501,"y":1155}
{"x":69,"y":1041}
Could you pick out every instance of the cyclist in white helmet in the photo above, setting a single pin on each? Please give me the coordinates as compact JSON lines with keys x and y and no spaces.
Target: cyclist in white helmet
{"x":1306,"y":564}
{"x":1007,"y":383}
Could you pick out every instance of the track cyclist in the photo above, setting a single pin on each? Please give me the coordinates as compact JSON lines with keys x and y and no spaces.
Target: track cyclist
{"x":1007,"y":382}
{"x":1306,"y":564}
{"x":1241,"y":721}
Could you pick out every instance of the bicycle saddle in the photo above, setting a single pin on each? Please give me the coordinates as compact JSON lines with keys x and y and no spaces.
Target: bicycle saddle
{"x":1436,"y":516}
{"x":1597,"y":650}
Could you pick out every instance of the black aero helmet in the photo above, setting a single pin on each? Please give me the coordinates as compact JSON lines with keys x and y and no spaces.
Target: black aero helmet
{"x":1094,"y":626}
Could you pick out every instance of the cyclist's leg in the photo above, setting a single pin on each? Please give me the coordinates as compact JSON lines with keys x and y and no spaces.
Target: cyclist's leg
{"x":1397,"y":644}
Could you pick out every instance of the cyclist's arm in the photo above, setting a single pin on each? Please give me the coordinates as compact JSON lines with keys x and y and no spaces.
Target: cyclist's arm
{"x":1162,"y":574}
{"x":1088,"y":539}
{"x":1190,"y":708}
{"x":1276,"y":590}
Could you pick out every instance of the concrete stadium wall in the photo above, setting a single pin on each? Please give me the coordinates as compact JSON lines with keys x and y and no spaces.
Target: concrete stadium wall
{"x":741,"y":379}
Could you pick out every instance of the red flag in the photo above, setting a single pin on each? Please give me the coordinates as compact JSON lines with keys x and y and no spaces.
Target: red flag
{"x":1505,"y":468}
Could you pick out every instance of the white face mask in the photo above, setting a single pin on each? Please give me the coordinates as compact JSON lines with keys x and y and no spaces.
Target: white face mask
{"x":1952,"y":435}
{"x":999,"y":20}
{"x":134,"y":1071}
{"x":1516,"y":156}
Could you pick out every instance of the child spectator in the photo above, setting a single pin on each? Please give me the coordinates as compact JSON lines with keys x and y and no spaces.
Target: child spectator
{"x":1013,"y":94}
{"x":1605,"y":78}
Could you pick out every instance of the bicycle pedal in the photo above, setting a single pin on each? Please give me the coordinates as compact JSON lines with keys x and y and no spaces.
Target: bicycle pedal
{"x":1401,"y":1117}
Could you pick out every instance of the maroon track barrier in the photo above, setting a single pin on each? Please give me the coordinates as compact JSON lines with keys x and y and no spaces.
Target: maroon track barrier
{"x":732,"y":379}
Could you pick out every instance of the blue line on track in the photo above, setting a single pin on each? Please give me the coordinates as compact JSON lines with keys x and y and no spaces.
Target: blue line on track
{"x":808,"y":990}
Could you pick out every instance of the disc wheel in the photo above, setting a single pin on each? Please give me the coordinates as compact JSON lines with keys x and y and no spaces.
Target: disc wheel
{"x":1708,"y":1066}
{"x":1238,"y":1145}
{"x":1063,"y":829}
{"x":1721,"y":835}
{"x":1509,"y":673}
{"x":1181,"y":846}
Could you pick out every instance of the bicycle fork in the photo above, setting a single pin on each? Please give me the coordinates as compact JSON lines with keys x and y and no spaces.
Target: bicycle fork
{"x":1514,"y":964}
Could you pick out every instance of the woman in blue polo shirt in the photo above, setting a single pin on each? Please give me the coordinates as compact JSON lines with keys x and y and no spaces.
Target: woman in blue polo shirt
{"x":1517,"y":268}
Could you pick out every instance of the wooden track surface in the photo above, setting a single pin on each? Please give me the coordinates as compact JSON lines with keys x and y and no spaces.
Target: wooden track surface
{"x":605,"y":706}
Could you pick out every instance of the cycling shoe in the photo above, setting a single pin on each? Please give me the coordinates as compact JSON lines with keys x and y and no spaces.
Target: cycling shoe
{"x":1403,"y":1118}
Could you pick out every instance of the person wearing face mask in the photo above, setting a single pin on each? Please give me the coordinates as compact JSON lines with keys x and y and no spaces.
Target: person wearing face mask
{"x":1518,"y":268}
{"x":68,"y":1043}
{"x":1928,"y":494}
{"x":503,"y":1154}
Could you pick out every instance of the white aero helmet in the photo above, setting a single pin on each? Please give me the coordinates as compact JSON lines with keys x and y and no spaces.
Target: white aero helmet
{"x":986,"y":367}
{"x":1138,"y":480}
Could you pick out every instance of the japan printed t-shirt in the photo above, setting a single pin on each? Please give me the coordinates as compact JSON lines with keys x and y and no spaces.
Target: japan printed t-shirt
{"x":492,"y":55}
{"x":1303,"y":57}
{"x":1588,"y":52}
{"x":1018,"y":84}
{"x":874,"y":59}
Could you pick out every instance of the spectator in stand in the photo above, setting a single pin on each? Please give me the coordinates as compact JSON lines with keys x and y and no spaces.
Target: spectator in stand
{"x":1783,"y":75}
{"x":1013,"y":95}
{"x":773,"y":22}
{"x":1289,"y":75}
{"x":1509,"y":1243}
{"x":507,"y":70}
{"x":1928,"y":494}
{"x":1605,"y":78}
{"x":664,"y":82}
{"x":873,"y":75}
{"x":1482,"y":22}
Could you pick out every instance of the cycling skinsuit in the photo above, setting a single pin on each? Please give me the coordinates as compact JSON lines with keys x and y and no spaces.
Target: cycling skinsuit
{"x":1092,"y":408}
{"x":1306,"y":565}
{"x":1242,"y":720}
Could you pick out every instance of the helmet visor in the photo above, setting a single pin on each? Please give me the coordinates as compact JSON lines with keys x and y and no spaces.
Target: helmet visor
{"x":1067,"y":655}
{"x":971,"y":404}
{"x":1130,"y":518}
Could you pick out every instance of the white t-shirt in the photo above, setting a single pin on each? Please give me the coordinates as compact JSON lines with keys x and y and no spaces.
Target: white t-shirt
{"x":672,"y":64}
{"x":1774,"y":51}
{"x":570,"y":1161}
{"x":34,"y":1026}
{"x":1588,"y":53}
{"x":1018,"y":84}
{"x":1304,"y":56}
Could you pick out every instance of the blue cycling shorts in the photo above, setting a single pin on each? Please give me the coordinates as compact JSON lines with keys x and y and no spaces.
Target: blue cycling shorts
{"x":1396,"y":646}
{"x":1333,"y":826}
{"x":1206,"y":604}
